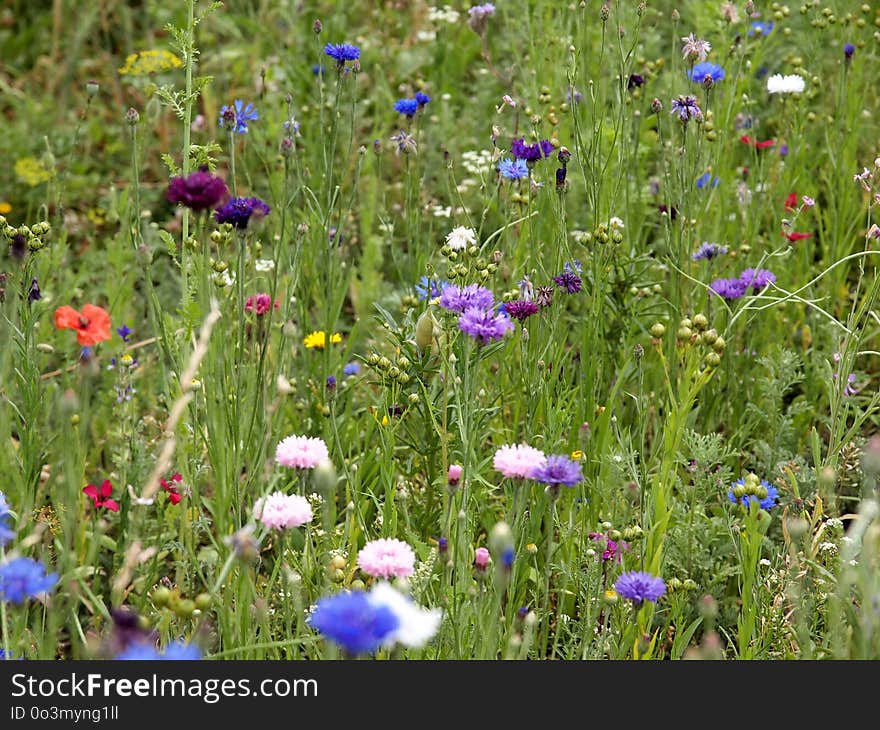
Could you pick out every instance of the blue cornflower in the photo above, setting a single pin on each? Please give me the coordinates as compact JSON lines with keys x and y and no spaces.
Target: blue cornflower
{"x":513,"y":169}
{"x":406,"y":106}
{"x":178,"y":651}
{"x":507,"y":557}
{"x":709,"y":251}
{"x":137,"y":652}
{"x":142,"y":651}
{"x":558,"y":469}
{"x":318,"y":69}
{"x":848,"y":50}
{"x":6,"y":533}
{"x":24,"y":578}
{"x":354,"y":622}
{"x":637,"y":586}
{"x":699,"y":72}
{"x":422,"y":98}
{"x":759,"y":27}
{"x":237,"y":119}
{"x":767,"y":503}
{"x":429,"y":288}
{"x":573,"y":267}
{"x":706,"y":180}
{"x":124,"y":332}
{"x":238,"y":211}
{"x":352,"y":368}
{"x":342,"y":52}
{"x":4,"y":655}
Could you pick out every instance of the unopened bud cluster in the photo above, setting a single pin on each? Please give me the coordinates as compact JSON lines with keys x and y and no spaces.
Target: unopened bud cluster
{"x":467,"y":264}
{"x":33,"y":237}
{"x":695,"y":331}
{"x":174,"y":601}
{"x":751,"y":487}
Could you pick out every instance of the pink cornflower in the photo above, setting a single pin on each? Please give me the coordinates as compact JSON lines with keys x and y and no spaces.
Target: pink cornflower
{"x":695,"y":49}
{"x":260,"y":304}
{"x":281,"y":511}
{"x":518,"y":461}
{"x":301,"y":452}
{"x":481,"y":558}
{"x":455,"y":472}
{"x":386,"y":558}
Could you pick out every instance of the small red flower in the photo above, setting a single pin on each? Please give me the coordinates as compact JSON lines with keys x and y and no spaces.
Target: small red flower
{"x":755,"y":143}
{"x":172,"y":488}
{"x":100,"y":496}
{"x":797,"y":236}
{"x":791,"y":202}
{"x":92,"y":326}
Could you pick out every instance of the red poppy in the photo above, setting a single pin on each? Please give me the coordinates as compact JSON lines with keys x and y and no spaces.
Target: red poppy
{"x":797,"y":236}
{"x":791,"y":202}
{"x":172,"y":488}
{"x":92,"y":326}
{"x":755,"y":143}
{"x":100,"y":496}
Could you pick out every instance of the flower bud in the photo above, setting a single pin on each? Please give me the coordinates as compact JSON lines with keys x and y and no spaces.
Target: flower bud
{"x":658,"y":330}
{"x":425,"y":330}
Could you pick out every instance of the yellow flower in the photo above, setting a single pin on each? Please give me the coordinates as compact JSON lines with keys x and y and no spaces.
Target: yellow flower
{"x":33,"y":172}
{"x":611,"y":595}
{"x":577,"y":455}
{"x":5,"y":207}
{"x":318,"y":339}
{"x":149,"y":62}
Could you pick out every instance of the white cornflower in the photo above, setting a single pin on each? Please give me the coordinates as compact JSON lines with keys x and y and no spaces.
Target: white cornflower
{"x":791,"y":84}
{"x":416,"y":625}
{"x":461,"y":237}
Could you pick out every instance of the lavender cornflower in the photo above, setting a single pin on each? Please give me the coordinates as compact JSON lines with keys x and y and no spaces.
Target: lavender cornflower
{"x":758,"y":279}
{"x":558,"y":469}
{"x":342,"y":52}
{"x":351,"y":368}
{"x":569,"y":281}
{"x":483,"y":324}
{"x":709,"y":251}
{"x":729,"y":289}
{"x":520,"y":309}
{"x":471,"y":296}
{"x":478,"y":17}
{"x":686,"y":108}
{"x":513,"y":169}
{"x":407,"y":107}
{"x":637,"y":586}
{"x":699,"y":73}
{"x":850,"y":389}
{"x":406,"y":143}
{"x":695,"y":49}
{"x":236,"y":119}
{"x":239,"y":211}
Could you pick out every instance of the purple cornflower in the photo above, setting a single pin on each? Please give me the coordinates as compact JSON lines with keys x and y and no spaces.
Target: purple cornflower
{"x":701,"y":71}
{"x":342,"y":52}
{"x":634,"y":81}
{"x":848,"y":50}
{"x":471,"y":296}
{"x":709,"y":251}
{"x":520,"y":309}
{"x":422,"y":98}
{"x":198,"y":191}
{"x":483,"y":324}
{"x":637,"y":586}
{"x":236,"y":119}
{"x":124,"y":332}
{"x":686,"y":108}
{"x":516,"y":169}
{"x":331,"y":382}
{"x":239,"y":211}
{"x":568,"y":280}
{"x":407,"y":107}
{"x":530,"y":152}
{"x":558,"y":469}
{"x":34,"y":293}
{"x":729,"y":289}
{"x":757,"y":278}
{"x":23,"y":578}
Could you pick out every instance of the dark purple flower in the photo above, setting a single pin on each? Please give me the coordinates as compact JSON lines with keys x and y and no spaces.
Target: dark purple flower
{"x":239,"y":211}
{"x":530,"y":152}
{"x":520,"y":309}
{"x":124,"y":332}
{"x":472,"y":296}
{"x":757,"y":278}
{"x":546,"y":147}
{"x":635,"y":81}
{"x":198,"y":191}
{"x":560,"y":178}
{"x":569,"y":281}
{"x":848,"y":50}
{"x":729,"y":289}
{"x":331,"y":382}
{"x":34,"y":294}
{"x":637,"y":586}
{"x":558,"y":469}
{"x":484,"y":325}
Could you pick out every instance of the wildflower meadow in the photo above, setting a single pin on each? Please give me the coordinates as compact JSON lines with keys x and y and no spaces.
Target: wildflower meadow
{"x":520,"y":330}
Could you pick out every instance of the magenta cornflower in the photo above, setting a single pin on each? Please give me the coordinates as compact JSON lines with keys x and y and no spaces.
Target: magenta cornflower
{"x":301,"y":452}
{"x":261,"y":304}
{"x":520,"y":309}
{"x":518,"y":461}
{"x":198,"y":191}
{"x":387,"y":558}
{"x":281,"y":511}
{"x":484,"y":325}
